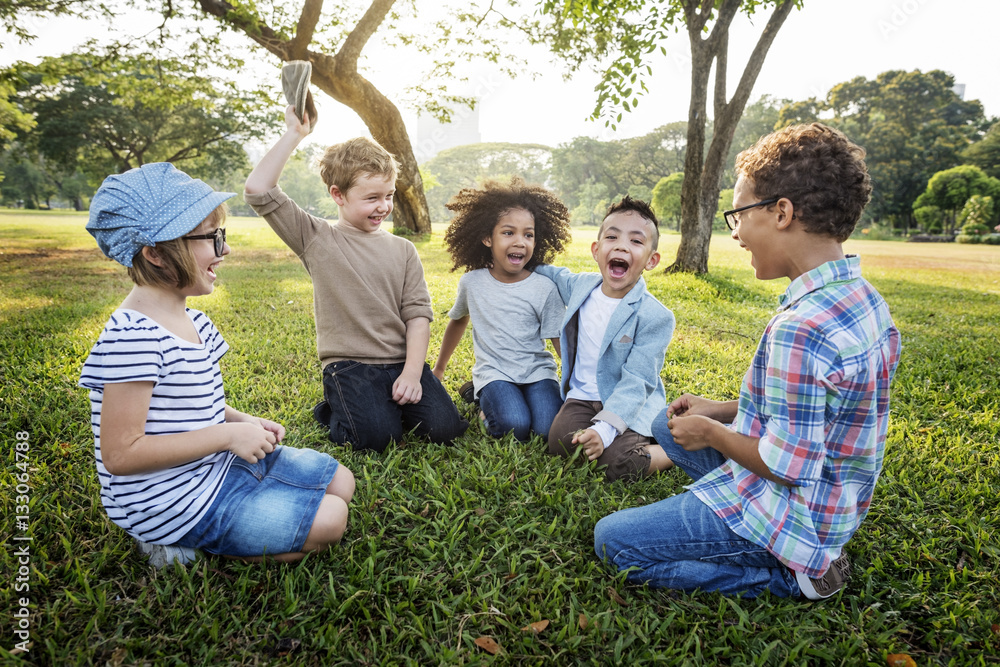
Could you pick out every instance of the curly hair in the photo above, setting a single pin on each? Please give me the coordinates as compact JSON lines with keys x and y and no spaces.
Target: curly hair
{"x":478,"y":210}
{"x":816,"y":167}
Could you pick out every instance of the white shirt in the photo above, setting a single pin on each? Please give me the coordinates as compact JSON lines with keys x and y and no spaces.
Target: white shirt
{"x":595,"y":313}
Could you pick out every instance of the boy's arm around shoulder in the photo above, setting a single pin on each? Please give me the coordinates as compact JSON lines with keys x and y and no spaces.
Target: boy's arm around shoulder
{"x":561,"y":276}
{"x":640,"y":374}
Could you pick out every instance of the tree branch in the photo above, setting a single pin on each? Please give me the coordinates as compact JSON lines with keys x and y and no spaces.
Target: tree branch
{"x":695,"y":17}
{"x":721,"y":70}
{"x":347,"y":57}
{"x":256,"y":30}
{"x":304,"y":30}
{"x":727,"y":114}
{"x":718,"y":48}
{"x":756,"y":62}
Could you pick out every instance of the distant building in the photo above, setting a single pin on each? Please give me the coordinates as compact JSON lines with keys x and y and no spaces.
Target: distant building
{"x":434,"y":137}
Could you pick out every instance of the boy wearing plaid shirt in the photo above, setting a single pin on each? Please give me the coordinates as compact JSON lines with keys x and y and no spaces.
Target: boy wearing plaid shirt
{"x":784,"y":475}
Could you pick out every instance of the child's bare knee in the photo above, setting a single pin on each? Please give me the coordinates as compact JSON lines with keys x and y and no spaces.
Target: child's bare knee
{"x":329,"y":525}
{"x":343,"y":484}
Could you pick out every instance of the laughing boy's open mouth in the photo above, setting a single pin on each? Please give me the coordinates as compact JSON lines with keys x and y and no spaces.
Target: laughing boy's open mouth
{"x":617,"y":267}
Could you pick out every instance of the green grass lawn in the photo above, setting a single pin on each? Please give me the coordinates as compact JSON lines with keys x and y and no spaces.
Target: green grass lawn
{"x":447,"y":545}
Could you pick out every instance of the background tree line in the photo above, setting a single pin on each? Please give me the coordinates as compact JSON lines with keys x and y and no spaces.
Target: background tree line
{"x":70,"y":122}
{"x":928,"y":152}
{"x":71,"y":119}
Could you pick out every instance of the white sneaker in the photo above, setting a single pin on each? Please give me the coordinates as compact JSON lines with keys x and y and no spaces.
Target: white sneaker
{"x":831,"y":581}
{"x":165,"y":554}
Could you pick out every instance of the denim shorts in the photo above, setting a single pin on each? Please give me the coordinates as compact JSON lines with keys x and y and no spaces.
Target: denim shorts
{"x":266,"y":507}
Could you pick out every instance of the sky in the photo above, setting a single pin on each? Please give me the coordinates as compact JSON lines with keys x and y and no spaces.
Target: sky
{"x":825,"y":43}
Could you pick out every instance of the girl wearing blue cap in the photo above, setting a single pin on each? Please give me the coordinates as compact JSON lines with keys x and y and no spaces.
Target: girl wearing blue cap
{"x":179,"y":468}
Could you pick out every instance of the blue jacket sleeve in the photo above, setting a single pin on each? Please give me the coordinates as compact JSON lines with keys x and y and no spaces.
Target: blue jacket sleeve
{"x":561,"y":276}
{"x":628,"y":403}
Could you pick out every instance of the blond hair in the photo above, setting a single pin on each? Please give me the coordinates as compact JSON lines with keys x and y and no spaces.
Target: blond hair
{"x":343,"y":163}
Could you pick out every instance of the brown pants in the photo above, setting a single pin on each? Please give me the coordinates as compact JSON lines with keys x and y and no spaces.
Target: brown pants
{"x":626,"y":457}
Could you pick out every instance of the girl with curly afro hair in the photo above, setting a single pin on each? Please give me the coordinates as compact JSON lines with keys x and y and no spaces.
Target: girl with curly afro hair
{"x":499,"y":233}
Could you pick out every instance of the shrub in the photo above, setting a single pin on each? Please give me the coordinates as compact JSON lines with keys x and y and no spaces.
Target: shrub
{"x":975,"y":229}
{"x":992,"y":239}
{"x":929,"y":218}
{"x":968,"y":238}
{"x":978,"y":211}
{"x":877,"y":232}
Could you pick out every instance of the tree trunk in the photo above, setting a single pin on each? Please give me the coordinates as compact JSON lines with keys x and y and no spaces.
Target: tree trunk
{"x":385,"y":123}
{"x":338,"y":76}
{"x":692,"y":255}
{"x":703,"y":170}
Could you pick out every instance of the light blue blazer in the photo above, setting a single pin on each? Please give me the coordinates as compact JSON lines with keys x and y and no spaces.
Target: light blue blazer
{"x":631,"y":354}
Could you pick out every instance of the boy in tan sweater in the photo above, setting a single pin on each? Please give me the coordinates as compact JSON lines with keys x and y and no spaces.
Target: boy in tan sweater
{"x":372,"y":307}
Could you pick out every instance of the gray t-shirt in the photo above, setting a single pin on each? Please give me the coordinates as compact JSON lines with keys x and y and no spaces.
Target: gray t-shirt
{"x":510,"y":322}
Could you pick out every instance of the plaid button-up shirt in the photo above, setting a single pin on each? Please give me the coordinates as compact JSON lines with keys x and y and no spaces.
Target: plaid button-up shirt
{"x":817,"y":396}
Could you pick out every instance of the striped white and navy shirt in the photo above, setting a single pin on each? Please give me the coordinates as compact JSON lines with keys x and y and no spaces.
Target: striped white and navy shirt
{"x":161,"y":506}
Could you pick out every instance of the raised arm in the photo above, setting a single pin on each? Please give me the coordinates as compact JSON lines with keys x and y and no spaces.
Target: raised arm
{"x":267,"y":172}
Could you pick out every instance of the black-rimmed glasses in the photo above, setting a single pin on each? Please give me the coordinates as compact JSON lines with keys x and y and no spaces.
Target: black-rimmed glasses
{"x":733,"y":217}
{"x":219,"y":236}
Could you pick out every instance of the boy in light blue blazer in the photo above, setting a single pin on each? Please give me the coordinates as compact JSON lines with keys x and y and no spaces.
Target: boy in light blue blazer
{"x":614,"y":339}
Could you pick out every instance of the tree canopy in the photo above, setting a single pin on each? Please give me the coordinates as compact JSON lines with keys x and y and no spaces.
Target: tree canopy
{"x":618,"y":164}
{"x":333,"y":37}
{"x":667,"y":199}
{"x":468,"y":166}
{"x":106,"y":114}
{"x":618,"y":38}
{"x":985,"y":153}
{"x":949,"y":190}
{"x":911,"y":124}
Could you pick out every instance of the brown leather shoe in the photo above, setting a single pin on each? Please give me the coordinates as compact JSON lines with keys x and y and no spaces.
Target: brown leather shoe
{"x":468,"y":392}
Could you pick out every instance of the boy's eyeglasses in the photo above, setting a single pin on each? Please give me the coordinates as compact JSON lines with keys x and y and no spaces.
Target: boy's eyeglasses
{"x":733,"y":217}
{"x":219,"y":236}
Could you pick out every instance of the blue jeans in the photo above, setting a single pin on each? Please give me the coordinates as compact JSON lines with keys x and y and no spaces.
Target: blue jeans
{"x":266,"y":507}
{"x":680,"y":543}
{"x":521,"y":408}
{"x":360,"y":409}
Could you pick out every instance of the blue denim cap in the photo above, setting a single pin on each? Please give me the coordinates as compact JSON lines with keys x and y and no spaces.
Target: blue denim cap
{"x":155,"y":202}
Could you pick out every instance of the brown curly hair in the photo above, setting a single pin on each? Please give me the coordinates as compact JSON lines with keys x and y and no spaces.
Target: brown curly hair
{"x":816,"y":167}
{"x":478,"y":210}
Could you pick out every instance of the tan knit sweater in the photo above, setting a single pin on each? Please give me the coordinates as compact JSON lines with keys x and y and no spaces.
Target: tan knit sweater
{"x":366,"y":285}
